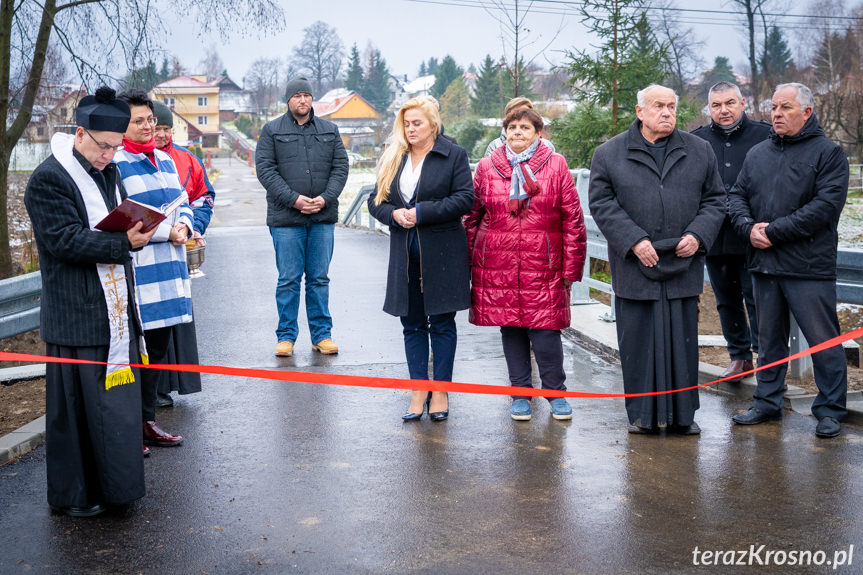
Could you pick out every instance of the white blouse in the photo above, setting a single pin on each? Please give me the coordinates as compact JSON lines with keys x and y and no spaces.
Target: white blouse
{"x":409,"y":179}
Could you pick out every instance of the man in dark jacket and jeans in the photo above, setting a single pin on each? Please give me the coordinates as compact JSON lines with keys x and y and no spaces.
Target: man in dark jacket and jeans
{"x":302,"y":164}
{"x":787,"y":202}
{"x":731,"y":134}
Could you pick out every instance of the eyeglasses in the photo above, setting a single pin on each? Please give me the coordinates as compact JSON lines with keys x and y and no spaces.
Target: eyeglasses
{"x":140,"y":121}
{"x":102,"y":145}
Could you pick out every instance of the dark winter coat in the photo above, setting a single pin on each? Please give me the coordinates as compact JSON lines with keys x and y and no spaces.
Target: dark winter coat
{"x":798,"y":185}
{"x":74,"y":312}
{"x":293,"y":160}
{"x":444,"y":194}
{"x":731,"y":150}
{"x":519,"y":262}
{"x":631,"y":201}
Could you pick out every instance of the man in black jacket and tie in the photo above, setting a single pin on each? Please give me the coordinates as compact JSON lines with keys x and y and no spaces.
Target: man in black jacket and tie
{"x":93,"y":412}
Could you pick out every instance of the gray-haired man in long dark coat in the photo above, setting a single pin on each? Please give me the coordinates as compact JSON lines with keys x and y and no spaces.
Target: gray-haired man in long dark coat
{"x":656,"y":195}
{"x":92,"y":412}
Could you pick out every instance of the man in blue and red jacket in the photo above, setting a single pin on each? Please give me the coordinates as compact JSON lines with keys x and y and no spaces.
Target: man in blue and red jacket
{"x":194,"y":179}
{"x":191,"y":171}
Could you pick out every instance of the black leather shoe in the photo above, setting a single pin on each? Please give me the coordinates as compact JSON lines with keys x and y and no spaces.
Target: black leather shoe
{"x":438,"y":415}
{"x":754,"y":416}
{"x":638,"y":430}
{"x":827,"y":427}
{"x":686,"y":430}
{"x":164,"y":400}
{"x":79,"y":511}
{"x":411,"y":416}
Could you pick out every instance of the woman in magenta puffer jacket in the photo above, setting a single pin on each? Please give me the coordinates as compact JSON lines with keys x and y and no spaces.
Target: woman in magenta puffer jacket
{"x":527,"y":244}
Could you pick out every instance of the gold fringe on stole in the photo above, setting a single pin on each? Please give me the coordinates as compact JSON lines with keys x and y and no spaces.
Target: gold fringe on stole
{"x":121,"y":377}
{"x":145,"y":359}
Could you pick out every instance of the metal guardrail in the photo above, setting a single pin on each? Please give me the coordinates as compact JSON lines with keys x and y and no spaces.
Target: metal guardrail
{"x":354,"y":215}
{"x":20,"y":298}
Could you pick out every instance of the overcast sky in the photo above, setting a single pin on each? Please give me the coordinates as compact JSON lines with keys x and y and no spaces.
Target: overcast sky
{"x":410,"y":31}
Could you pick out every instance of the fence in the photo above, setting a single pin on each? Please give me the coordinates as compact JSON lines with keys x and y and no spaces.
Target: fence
{"x":19,"y":304}
{"x":855,"y":181}
{"x":26,"y":156}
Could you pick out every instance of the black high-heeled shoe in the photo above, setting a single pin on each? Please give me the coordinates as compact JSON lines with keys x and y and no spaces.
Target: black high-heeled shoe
{"x":411,"y":416}
{"x":439,"y":415}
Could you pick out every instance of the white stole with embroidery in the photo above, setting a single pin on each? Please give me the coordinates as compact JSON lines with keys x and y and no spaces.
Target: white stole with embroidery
{"x":111,"y":276}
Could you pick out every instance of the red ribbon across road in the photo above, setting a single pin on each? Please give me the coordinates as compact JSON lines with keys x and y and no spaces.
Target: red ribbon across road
{"x":416,"y":384}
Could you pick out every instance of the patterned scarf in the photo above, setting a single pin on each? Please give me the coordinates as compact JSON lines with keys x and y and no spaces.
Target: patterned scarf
{"x":522,"y":183}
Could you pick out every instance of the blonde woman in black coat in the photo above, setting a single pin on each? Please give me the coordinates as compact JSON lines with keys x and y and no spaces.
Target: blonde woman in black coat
{"x":424,"y":187}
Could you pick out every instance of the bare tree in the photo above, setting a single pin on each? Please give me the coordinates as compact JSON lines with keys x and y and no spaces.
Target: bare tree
{"x":518,"y":41}
{"x":211,"y":64}
{"x":263,"y":80}
{"x":321,"y":55}
{"x":752,"y":12}
{"x":119,"y":35}
{"x":834,"y":57}
{"x":683,"y":48}
{"x":177,"y":68}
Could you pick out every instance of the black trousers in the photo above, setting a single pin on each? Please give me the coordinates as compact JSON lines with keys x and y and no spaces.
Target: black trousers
{"x":658,"y":342}
{"x":732,"y":286}
{"x":183,"y":348}
{"x":547,"y":349}
{"x":813,"y":303}
{"x":93,"y":434}
{"x":157,"y":349}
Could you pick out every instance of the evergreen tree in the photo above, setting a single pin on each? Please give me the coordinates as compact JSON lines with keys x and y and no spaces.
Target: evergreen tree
{"x":628,"y":58}
{"x":354,"y":80}
{"x":837,"y":55}
{"x":621,"y":66}
{"x":525,"y":83}
{"x":445,"y":74}
{"x":455,"y":102}
{"x":143,"y":78}
{"x":432,"y":66}
{"x":423,"y":70}
{"x":776,"y":60}
{"x":468,"y":132}
{"x":646,"y":58}
{"x":487,"y":100}
{"x":375,"y":88}
{"x":721,"y":72}
{"x":164,"y":71}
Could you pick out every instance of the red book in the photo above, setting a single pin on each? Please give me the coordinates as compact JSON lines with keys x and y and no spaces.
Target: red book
{"x":127,"y":214}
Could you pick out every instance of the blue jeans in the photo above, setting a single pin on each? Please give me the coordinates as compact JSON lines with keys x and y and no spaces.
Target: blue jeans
{"x":303,"y":249}
{"x":419,"y":328}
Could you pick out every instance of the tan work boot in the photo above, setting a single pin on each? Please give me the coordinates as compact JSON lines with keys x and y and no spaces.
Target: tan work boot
{"x":326,"y":347}
{"x":285,"y":349}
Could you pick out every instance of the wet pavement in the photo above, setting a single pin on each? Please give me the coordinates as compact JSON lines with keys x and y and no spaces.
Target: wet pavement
{"x":286,"y":477}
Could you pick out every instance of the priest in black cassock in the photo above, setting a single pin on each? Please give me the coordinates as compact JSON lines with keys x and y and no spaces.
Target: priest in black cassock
{"x":656,"y":195}
{"x":93,"y":412}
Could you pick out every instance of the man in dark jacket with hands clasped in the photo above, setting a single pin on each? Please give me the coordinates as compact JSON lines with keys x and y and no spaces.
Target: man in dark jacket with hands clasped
{"x":302,"y":164}
{"x":786,"y":204}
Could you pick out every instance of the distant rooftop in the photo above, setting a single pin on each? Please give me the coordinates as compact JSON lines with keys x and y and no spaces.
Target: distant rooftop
{"x":186,"y":82}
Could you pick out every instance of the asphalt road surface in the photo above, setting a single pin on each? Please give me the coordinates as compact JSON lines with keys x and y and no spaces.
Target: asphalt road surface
{"x":278,"y":477}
